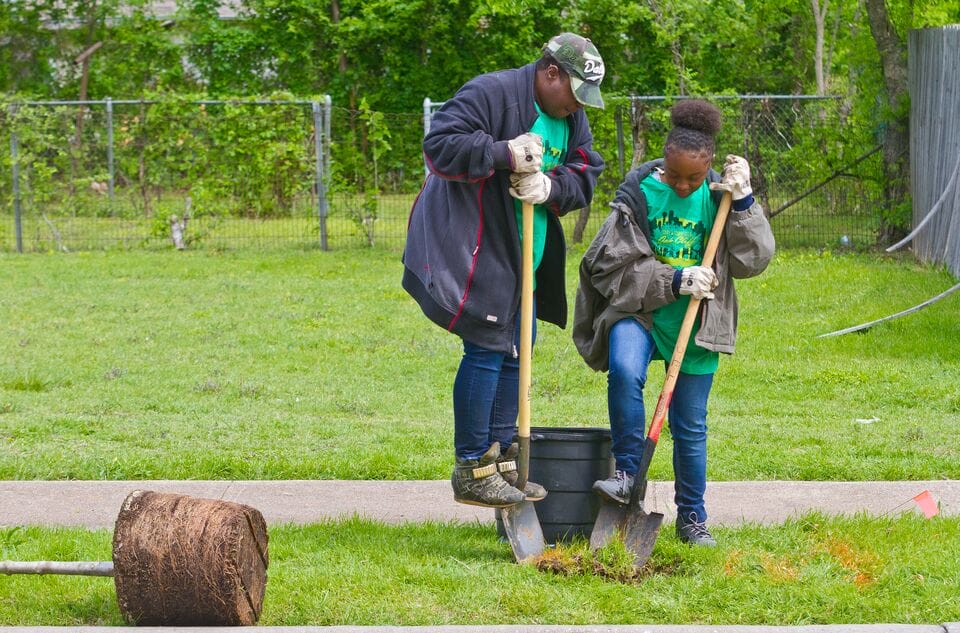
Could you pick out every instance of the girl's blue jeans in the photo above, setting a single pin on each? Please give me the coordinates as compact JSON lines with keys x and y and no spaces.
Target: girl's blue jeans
{"x":486,"y":397}
{"x":631,"y":349}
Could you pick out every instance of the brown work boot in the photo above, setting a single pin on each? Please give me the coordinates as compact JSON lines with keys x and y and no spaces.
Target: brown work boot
{"x":507,"y":464}
{"x":476,"y":482}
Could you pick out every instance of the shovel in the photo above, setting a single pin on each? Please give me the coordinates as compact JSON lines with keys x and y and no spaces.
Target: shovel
{"x":638,"y":528}
{"x":520,"y":521}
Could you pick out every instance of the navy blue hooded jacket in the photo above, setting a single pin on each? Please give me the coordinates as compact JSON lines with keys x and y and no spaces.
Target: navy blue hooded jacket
{"x":462,"y":257}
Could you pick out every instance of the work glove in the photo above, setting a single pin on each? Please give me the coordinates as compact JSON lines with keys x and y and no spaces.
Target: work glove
{"x":533,"y":187}
{"x":698,"y":281}
{"x":526,"y":153}
{"x":736,"y":177}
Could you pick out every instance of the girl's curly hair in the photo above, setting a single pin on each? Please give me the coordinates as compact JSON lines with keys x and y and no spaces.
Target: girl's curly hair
{"x":695,"y":126}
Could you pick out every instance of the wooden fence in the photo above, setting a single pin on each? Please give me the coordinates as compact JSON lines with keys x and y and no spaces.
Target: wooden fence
{"x":934,"y":77}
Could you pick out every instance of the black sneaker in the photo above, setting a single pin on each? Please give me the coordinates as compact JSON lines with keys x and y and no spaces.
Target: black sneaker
{"x":695,"y":532}
{"x":617,"y":488}
{"x":477,"y":482}
{"x":507,"y":465}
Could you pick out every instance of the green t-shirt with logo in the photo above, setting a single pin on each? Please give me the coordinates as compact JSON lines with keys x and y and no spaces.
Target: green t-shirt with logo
{"x":679,"y":229}
{"x":555,"y":134}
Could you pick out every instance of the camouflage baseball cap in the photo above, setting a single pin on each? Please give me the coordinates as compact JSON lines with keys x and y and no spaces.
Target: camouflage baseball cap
{"x":580,"y":58}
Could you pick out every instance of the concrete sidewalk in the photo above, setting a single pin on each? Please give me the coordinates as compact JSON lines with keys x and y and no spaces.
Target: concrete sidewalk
{"x":950,"y":627}
{"x":95,"y":504}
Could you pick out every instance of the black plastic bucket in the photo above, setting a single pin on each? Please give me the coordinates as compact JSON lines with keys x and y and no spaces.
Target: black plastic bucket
{"x":566,"y":461}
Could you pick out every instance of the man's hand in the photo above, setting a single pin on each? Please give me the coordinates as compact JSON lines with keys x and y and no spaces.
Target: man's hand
{"x":736,"y":175}
{"x":533,"y":187}
{"x":526,"y":153}
{"x":698,"y":281}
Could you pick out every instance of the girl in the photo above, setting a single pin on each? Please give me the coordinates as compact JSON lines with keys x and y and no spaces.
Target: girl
{"x":636,"y":280}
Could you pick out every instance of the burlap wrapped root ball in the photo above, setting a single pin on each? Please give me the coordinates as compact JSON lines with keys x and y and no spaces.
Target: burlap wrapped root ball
{"x":185,"y":561}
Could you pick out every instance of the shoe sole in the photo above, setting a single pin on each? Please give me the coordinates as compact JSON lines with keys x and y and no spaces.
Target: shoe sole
{"x":694,"y":543}
{"x":470,"y":502}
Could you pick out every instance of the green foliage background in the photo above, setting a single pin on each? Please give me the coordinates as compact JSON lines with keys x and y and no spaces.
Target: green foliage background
{"x":395,"y":53}
{"x":378,"y":60}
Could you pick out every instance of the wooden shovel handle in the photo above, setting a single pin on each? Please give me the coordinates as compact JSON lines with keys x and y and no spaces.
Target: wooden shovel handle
{"x":663,"y":403}
{"x":666,"y":394}
{"x":526,"y":345}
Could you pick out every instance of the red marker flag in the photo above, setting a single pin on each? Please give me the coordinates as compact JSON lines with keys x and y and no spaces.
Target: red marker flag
{"x":927,"y":504}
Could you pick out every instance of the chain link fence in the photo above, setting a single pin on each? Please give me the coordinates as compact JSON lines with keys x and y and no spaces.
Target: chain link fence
{"x":222,"y":175}
{"x":126,"y":174}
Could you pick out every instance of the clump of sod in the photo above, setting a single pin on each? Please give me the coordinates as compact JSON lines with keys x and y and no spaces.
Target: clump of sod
{"x":612,"y":562}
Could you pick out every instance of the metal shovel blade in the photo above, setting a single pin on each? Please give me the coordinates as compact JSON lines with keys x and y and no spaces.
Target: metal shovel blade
{"x":610,"y":521}
{"x":637,"y":529}
{"x":523,"y":530}
{"x":640,"y":533}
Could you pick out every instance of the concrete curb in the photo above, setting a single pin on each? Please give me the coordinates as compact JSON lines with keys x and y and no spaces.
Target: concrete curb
{"x":95,"y":504}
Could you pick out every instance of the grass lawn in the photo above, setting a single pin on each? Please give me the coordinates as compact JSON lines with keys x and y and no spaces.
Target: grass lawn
{"x":309,"y":364}
{"x":305,"y":364}
{"x":813,"y":570}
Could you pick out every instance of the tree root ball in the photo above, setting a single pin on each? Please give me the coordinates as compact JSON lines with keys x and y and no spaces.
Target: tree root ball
{"x":184,"y":561}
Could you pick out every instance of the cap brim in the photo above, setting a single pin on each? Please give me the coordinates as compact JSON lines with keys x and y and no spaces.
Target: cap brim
{"x":586,"y":93}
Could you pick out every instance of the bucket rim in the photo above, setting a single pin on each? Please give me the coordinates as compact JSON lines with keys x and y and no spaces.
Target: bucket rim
{"x":569,"y":433}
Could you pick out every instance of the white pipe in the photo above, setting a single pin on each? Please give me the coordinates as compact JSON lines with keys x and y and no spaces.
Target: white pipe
{"x":56,"y":567}
{"x":936,"y":207}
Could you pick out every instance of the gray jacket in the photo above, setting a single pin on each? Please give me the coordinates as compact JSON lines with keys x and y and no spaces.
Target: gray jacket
{"x":620,"y":277}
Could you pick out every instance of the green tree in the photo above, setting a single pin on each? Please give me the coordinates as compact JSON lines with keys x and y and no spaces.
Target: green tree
{"x":27,"y":49}
{"x":138,"y":55}
{"x":889,"y":21}
{"x":891,"y":48}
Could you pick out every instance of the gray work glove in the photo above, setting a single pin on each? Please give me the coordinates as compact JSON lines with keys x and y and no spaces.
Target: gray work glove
{"x":698,"y":281}
{"x":526,"y":153}
{"x":533,"y":187}
{"x":736,"y":175}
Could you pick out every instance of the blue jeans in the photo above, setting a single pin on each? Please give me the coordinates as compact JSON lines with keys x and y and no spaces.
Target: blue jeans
{"x":486,"y":394}
{"x":631,"y":348}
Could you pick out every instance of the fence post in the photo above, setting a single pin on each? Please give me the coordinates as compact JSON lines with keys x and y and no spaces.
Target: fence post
{"x":426,"y":130}
{"x":321,"y":189}
{"x":619,"y":119}
{"x":15,"y":163}
{"x":327,"y":117}
{"x":110,"y":152}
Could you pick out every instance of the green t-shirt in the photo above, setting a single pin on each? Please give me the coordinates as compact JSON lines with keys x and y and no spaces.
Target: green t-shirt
{"x":679,"y":228}
{"x":555,"y":134}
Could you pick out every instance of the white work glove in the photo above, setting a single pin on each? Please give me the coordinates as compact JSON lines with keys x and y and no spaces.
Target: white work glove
{"x":526,"y":153}
{"x":533,"y":188}
{"x":698,"y":281}
{"x":736,"y":176}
